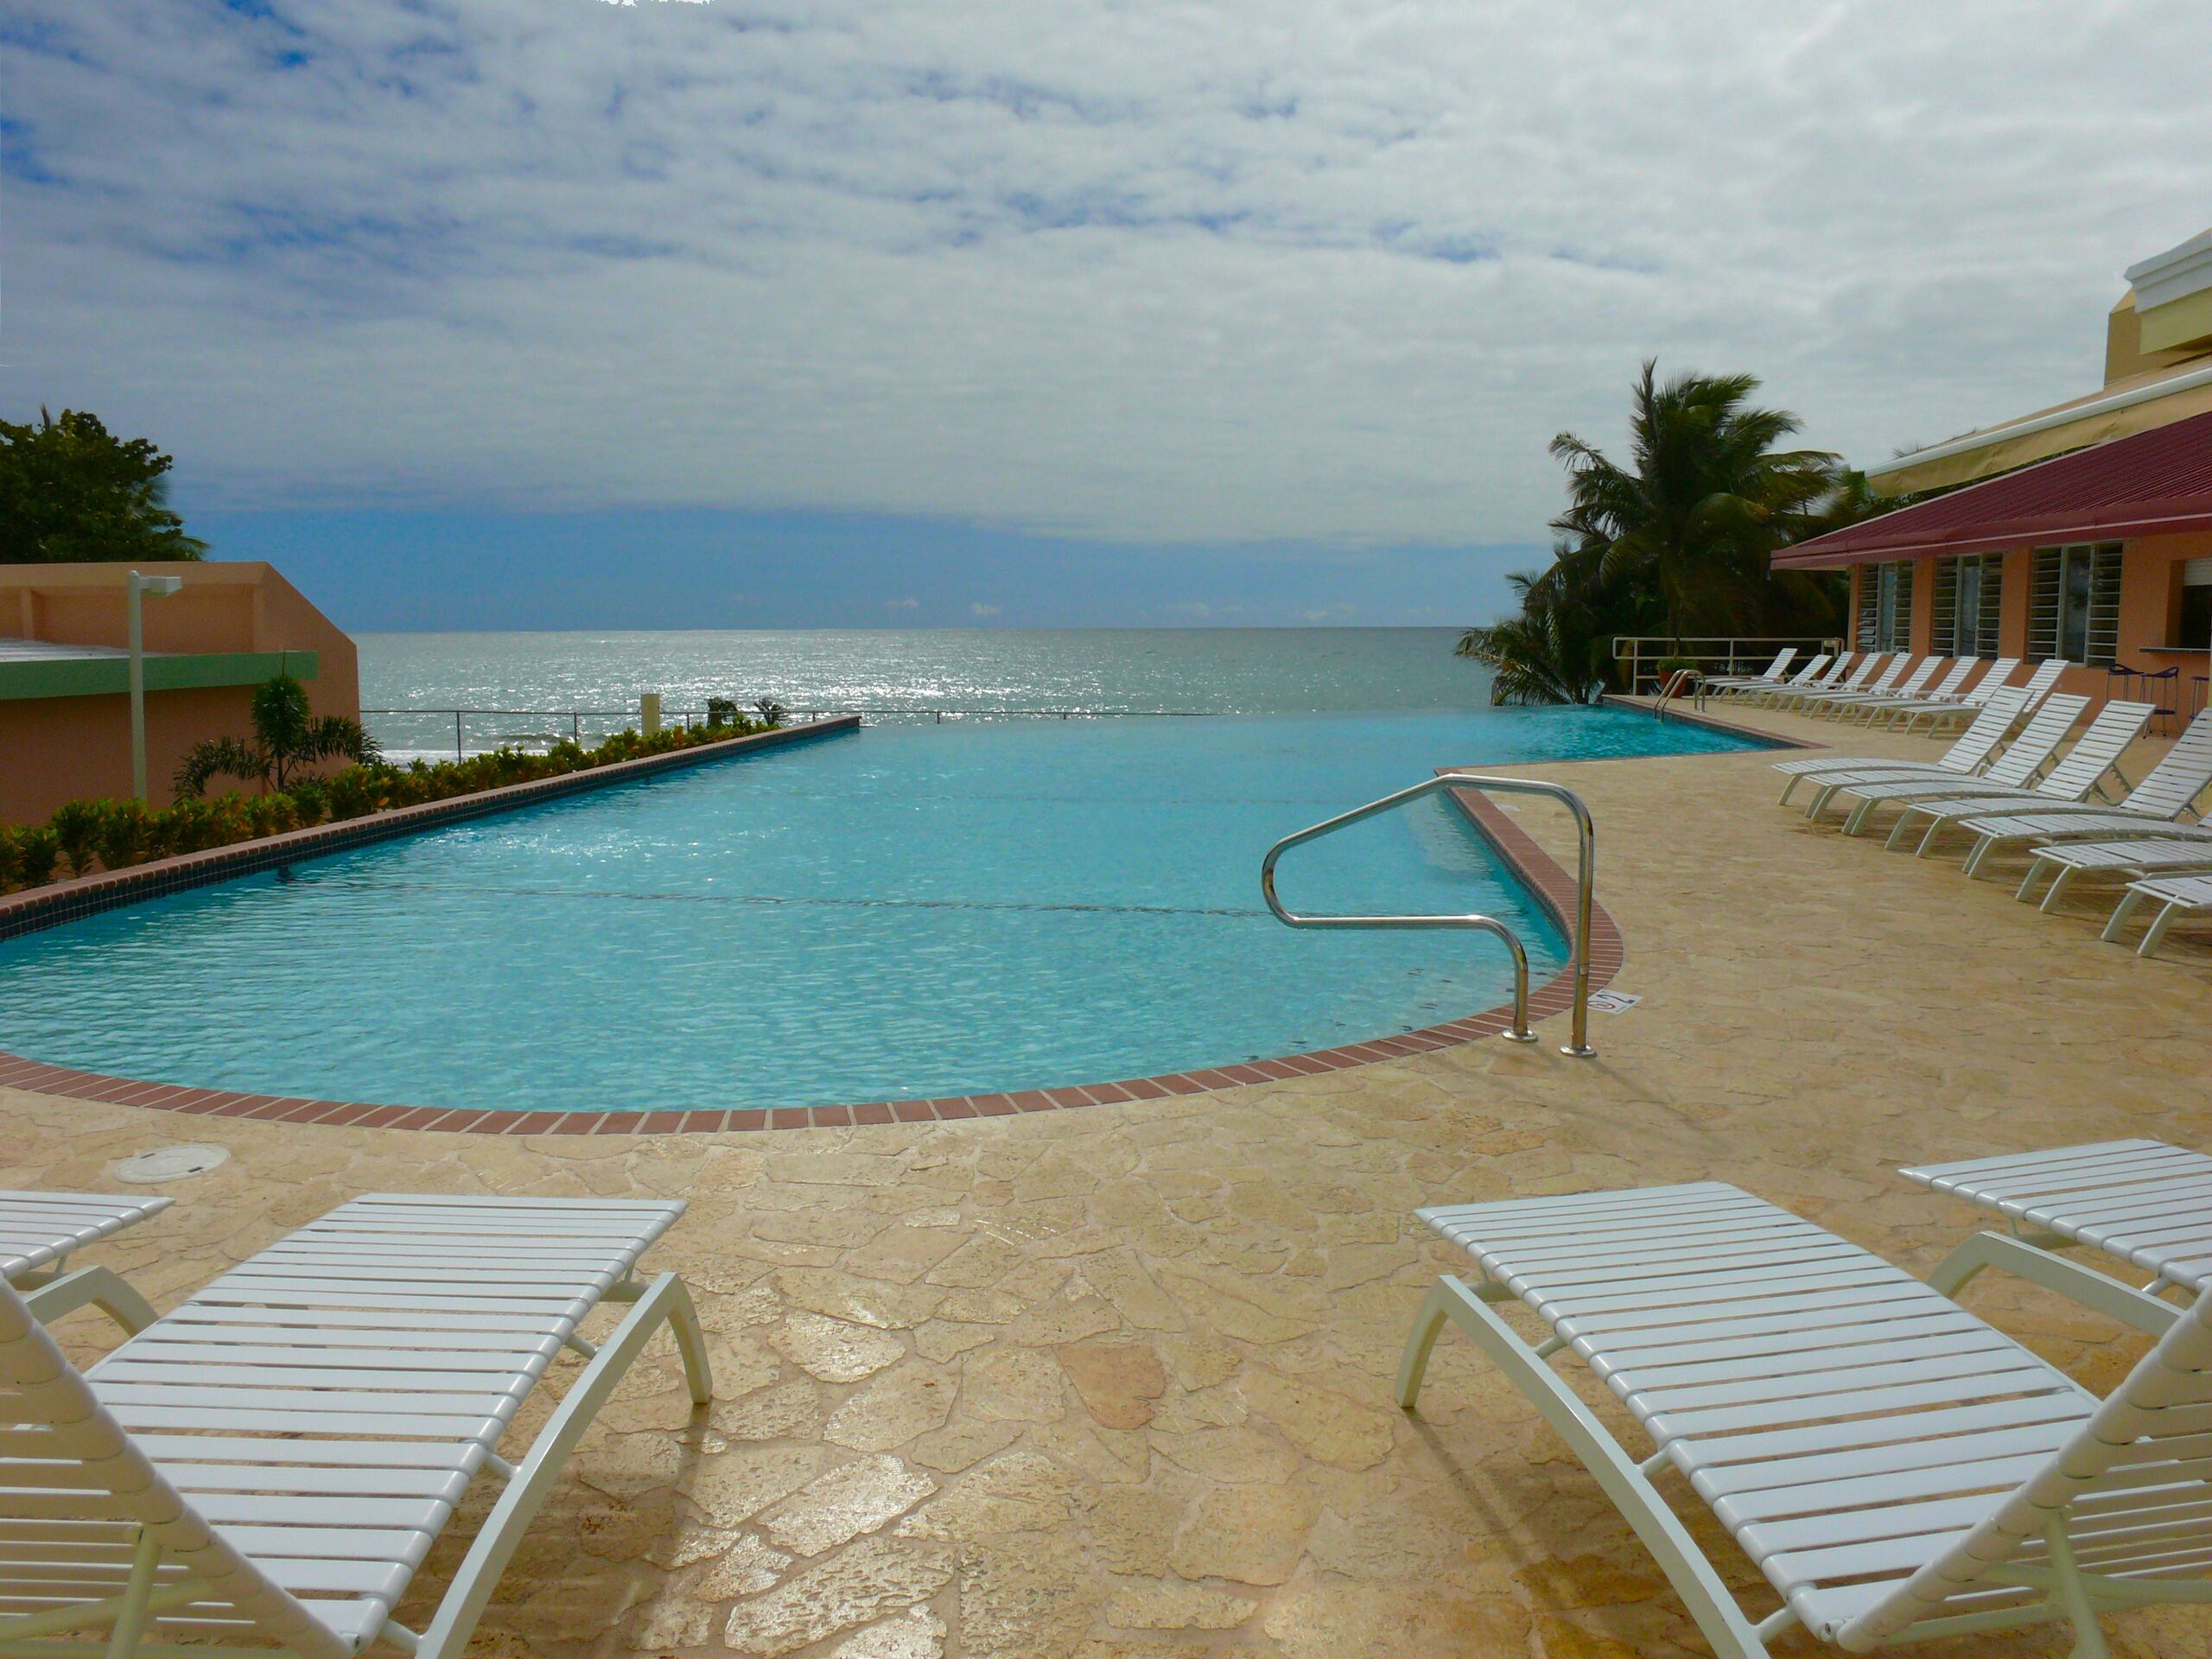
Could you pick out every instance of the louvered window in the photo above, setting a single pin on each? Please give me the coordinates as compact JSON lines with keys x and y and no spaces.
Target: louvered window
{"x":1968,"y":601}
{"x":1886,"y":605}
{"x":2074,"y":612}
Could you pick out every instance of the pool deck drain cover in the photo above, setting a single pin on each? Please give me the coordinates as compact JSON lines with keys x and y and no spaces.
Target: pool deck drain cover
{"x":170,"y":1164}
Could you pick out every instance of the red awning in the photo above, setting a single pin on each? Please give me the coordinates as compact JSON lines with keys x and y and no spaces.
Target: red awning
{"x":2155,"y":483}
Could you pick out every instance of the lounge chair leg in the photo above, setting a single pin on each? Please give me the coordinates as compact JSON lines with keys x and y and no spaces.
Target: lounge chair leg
{"x":1428,"y":1324}
{"x":2088,"y":1638}
{"x":2157,"y":931}
{"x":448,"y":1630}
{"x":2118,"y":924}
{"x":1710,"y":1603}
{"x":1898,"y":829}
{"x":1983,"y":848}
{"x":99,"y":1288}
{"x":2025,"y":1261}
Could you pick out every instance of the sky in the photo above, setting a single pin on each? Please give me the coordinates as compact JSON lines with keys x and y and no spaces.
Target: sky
{"x":765,"y":312}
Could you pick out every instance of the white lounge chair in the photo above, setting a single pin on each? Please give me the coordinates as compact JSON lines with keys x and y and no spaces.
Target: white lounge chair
{"x":1811,"y":699}
{"x":1815,"y":676}
{"x":1934,"y":712}
{"x":1848,"y":705}
{"x":267,"y":1466}
{"x":2181,"y":850}
{"x":1967,"y":756}
{"x":1843,"y":674}
{"x":2176,"y":896}
{"x":1944,"y":694}
{"x":1897,"y":1469}
{"x":2079,"y":774}
{"x":40,"y":1230}
{"x":2142,"y":1202}
{"x":2004,"y":779}
{"x":1729,"y":685}
{"x":2152,"y":807}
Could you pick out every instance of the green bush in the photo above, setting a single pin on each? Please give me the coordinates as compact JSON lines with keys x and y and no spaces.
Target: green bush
{"x":76,"y":827}
{"x":123,"y":833}
{"x":37,"y":854}
{"x":271,"y":814}
{"x":7,"y":858}
{"x":310,"y":801}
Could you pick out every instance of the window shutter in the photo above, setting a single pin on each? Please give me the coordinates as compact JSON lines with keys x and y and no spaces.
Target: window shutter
{"x":1993,"y":604}
{"x":2104,"y":604}
{"x":2043,"y":605}
{"x":1869,"y":586}
{"x":1946,"y":604}
{"x":1902,"y":638}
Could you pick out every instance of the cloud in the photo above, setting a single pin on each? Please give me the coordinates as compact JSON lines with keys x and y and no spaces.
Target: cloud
{"x":984,"y":610}
{"x":1314,"y":273}
{"x":901,"y":604}
{"x":1330,"y":614}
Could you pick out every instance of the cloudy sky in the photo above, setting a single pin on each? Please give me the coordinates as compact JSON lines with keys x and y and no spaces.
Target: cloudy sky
{"x":765,"y":312}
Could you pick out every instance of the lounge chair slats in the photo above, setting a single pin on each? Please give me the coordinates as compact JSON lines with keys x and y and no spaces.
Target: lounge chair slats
{"x":296,"y":1436}
{"x":1889,"y":1461}
{"x":38,"y":1230}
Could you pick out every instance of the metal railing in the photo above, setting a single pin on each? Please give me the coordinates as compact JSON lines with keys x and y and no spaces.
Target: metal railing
{"x":1640,"y":654}
{"x":1586,"y":834}
{"x":608,"y":720}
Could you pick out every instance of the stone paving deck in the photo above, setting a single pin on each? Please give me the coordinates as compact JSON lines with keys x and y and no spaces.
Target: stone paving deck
{"x":1115,"y":1382}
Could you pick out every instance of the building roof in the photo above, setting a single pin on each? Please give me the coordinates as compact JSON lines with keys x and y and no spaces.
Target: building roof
{"x":2153,"y":483}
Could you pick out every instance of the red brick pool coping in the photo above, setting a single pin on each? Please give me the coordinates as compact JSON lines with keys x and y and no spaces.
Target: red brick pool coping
{"x":1553,"y":886}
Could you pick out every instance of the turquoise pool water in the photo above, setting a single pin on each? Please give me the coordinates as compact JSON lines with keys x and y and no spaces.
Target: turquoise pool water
{"x":907,"y":910}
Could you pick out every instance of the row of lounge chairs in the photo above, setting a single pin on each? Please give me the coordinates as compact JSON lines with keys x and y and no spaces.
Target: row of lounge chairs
{"x":2013,"y":785}
{"x":1897,"y":1469}
{"x":1880,"y":689}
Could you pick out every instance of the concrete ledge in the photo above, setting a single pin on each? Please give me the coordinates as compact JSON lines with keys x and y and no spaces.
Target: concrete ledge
{"x":67,"y":901}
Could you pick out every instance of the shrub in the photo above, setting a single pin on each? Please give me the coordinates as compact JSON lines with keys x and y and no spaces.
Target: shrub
{"x":271,"y":814}
{"x":7,"y":857}
{"x":76,"y":827}
{"x":310,"y":801}
{"x":37,"y":854}
{"x":350,"y":795}
{"x":123,"y":833}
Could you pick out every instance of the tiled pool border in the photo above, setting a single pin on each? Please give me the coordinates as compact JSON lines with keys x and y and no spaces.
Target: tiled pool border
{"x":1552,"y":886}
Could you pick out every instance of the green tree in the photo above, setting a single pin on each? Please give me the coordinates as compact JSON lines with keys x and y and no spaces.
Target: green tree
{"x":287,"y":736}
{"x":1559,"y":646}
{"x":71,"y":490}
{"x":1705,"y":498}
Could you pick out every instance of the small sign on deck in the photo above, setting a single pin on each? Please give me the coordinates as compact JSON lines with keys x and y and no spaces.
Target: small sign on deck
{"x":1613,"y":1002}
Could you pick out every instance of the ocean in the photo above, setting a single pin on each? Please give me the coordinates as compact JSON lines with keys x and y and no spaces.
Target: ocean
{"x":1188,"y":671}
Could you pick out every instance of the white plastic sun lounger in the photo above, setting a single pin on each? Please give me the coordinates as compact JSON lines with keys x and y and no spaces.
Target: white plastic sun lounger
{"x":267,"y":1466}
{"x":1729,"y":685}
{"x":1936,"y":711}
{"x":1810,"y":679}
{"x":1943,"y":695}
{"x":2179,"y":851}
{"x":2153,"y":806}
{"x":2176,"y":896}
{"x":1851,"y":705}
{"x":1967,"y":755}
{"x":1896,"y":1468}
{"x":2142,"y":1202}
{"x":2005,"y":779}
{"x":1816,"y":699}
{"x":38,"y":1232}
{"x":2079,"y":774}
{"x":1842,"y":676}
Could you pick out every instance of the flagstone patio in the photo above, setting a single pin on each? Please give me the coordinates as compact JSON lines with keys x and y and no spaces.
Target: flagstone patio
{"x":1115,"y":1382}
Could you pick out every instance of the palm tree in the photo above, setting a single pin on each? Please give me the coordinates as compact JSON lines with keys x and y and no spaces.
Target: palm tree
{"x":1555,"y":650}
{"x":1705,"y":497}
{"x":286,"y":737}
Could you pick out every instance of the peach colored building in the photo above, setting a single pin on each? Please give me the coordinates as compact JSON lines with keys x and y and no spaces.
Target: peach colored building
{"x":65,"y":712}
{"x":2084,"y":530}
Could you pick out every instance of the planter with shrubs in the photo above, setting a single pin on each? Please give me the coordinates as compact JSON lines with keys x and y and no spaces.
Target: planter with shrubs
{"x":115,"y":835}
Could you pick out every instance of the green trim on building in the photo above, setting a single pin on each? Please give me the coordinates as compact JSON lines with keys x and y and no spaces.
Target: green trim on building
{"x":99,"y":677}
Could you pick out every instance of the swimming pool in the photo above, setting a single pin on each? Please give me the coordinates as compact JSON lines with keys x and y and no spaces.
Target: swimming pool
{"x":903,"y":911}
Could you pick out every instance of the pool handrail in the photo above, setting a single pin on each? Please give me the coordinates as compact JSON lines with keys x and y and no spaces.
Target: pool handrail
{"x":1586,"y":833}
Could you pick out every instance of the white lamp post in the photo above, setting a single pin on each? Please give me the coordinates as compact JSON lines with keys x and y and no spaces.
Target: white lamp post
{"x":160,"y":587}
